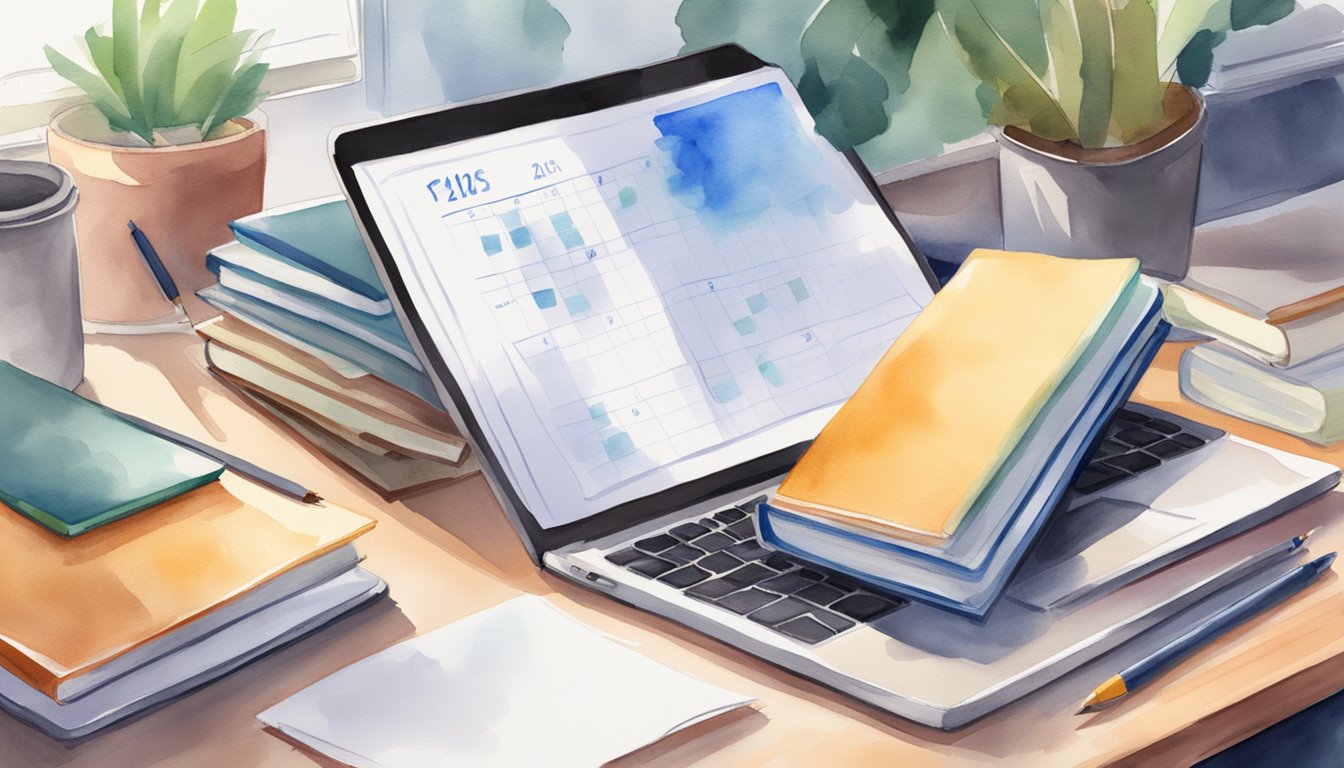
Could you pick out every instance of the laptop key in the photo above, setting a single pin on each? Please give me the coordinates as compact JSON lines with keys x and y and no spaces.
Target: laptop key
{"x":811,"y":575}
{"x":1096,"y":477}
{"x":743,"y":529}
{"x":652,"y":567}
{"x":1110,"y":447}
{"x":712,"y":590}
{"x":709,"y":522}
{"x":833,"y":621}
{"x":655,"y":544}
{"x":1187,"y":440}
{"x":780,"y":562}
{"x":682,"y":554}
{"x":748,"y":574}
{"x":747,"y":600}
{"x":685,"y":576}
{"x":806,"y":629}
{"x":864,"y":607}
{"x":749,"y":507}
{"x":786,"y":584}
{"x":1133,"y":462}
{"x":625,"y":556}
{"x":780,"y":612}
{"x":1133,"y":417}
{"x":688,"y":531}
{"x":730,"y":515}
{"x":749,"y":549}
{"x":1165,"y":427}
{"x":820,"y":594}
{"x":1166,"y":449}
{"x":719,"y":562}
{"x":1139,"y":437}
{"x":713,"y":542}
{"x":842,"y":583}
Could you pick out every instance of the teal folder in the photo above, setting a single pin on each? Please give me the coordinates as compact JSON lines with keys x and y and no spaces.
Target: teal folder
{"x":322,"y":239}
{"x":72,"y":465}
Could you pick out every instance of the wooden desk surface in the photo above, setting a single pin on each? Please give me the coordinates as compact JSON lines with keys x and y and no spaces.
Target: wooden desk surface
{"x":451,"y":552}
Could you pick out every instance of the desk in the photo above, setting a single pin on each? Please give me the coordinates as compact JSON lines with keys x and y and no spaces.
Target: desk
{"x":451,"y":552}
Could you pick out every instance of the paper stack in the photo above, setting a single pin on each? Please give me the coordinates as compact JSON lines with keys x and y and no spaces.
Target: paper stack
{"x":308,"y":335}
{"x":144,"y":605}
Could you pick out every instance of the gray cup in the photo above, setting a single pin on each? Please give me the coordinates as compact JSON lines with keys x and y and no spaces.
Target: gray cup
{"x":40,"y":329}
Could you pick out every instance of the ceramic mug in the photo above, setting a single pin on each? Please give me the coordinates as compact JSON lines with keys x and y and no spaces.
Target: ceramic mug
{"x":40,"y":328}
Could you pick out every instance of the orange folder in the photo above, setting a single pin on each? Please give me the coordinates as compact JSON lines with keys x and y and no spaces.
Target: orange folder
{"x":911,"y":451}
{"x":70,"y":605}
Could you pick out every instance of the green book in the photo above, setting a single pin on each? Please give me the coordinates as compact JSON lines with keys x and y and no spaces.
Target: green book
{"x":72,"y":465}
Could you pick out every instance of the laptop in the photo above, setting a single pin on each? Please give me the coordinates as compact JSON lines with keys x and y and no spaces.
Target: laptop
{"x":641,"y":295}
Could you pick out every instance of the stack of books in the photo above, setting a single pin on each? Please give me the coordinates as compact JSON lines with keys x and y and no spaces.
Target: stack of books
{"x":133,"y":575}
{"x":936,"y":477}
{"x":1278,"y":358}
{"x":308,"y":335}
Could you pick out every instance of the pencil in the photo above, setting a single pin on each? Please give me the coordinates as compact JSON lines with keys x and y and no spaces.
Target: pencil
{"x":1149,"y":668}
{"x":241,"y":466}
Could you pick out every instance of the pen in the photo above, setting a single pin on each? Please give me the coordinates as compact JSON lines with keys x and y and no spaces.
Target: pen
{"x":151,"y":258}
{"x":1144,"y":671}
{"x":241,"y":466}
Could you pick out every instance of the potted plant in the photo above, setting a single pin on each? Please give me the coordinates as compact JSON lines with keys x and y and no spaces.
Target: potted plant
{"x":1100,"y":147}
{"x":169,"y":139}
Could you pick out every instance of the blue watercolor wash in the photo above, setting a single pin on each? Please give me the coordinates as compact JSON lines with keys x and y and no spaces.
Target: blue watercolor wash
{"x":512,"y":219}
{"x":598,"y":412}
{"x":571,"y":238}
{"x":577,"y":304}
{"x":562,"y":221}
{"x":726,"y":391}
{"x":745,"y":326}
{"x":618,"y":446}
{"x":740,"y":155}
{"x":757,"y":303}
{"x":545,"y":299}
{"x":799,"y":289}
{"x":771,"y":374}
{"x":521,"y":237}
{"x":491,"y":245}
{"x":628,"y":197}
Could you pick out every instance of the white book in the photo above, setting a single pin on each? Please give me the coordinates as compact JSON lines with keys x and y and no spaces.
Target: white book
{"x":194,"y":665}
{"x":517,"y":684}
{"x":244,"y":257}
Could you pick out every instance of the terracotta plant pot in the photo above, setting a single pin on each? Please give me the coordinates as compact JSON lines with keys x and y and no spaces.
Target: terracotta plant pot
{"x":181,"y":197}
{"x":1137,"y":200}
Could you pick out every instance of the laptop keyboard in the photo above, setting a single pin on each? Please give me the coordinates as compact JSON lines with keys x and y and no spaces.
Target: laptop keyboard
{"x":1139,"y":439}
{"x":718,"y":560}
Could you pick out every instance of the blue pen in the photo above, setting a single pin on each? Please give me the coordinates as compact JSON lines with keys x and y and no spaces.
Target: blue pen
{"x":151,"y":258}
{"x":1272,"y":593}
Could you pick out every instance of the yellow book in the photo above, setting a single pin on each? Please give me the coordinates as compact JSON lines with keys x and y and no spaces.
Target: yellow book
{"x":71,"y":605}
{"x":911,"y":451}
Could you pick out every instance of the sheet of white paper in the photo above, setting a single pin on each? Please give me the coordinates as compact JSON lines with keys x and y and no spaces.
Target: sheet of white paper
{"x":517,"y":684}
{"x":644,"y":295}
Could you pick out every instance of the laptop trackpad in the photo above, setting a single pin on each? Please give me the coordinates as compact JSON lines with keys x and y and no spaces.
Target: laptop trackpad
{"x":1091,"y":546}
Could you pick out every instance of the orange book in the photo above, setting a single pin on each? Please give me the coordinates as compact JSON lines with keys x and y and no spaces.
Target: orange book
{"x":71,"y":605}
{"x":915,"y":446}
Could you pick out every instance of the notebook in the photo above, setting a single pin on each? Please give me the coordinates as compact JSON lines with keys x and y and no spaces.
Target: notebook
{"x":72,"y":465}
{"x":265,"y":267}
{"x":919,"y":442}
{"x":69,"y":606}
{"x":517,"y":684}
{"x":320,"y":238}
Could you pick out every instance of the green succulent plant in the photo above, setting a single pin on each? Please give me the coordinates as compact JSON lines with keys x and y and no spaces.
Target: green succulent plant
{"x":165,"y":67}
{"x":1092,"y":72}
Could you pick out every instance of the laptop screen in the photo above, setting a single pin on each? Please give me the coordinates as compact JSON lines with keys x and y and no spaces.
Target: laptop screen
{"x":635,"y":297}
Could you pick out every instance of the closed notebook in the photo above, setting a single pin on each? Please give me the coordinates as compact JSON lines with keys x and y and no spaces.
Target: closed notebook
{"x":72,"y":465}
{"x":910,"y":452}
{"x":319,"y":236}
{"x":69,"y":606}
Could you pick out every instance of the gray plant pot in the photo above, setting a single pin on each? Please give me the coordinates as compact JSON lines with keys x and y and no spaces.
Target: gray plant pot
{"x":39,"y":272}
{"x":1093,"y":206}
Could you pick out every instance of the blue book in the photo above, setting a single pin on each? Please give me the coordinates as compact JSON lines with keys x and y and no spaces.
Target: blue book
{"x":380,"y":331}
{"x":285,"y":324}
{"x":320,"y":238}
{"x":72,"y":465}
